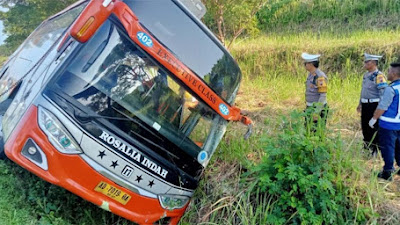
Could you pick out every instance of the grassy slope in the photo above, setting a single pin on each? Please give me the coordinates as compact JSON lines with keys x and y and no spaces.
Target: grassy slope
{"x":344,"y":16}
{"x":273,"y":85}
{"x":273,"y":68}
{"x":26,"y":199}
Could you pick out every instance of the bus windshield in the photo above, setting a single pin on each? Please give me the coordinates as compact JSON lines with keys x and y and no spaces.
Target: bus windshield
{"x":111,"y":70}
{"x":190,"y":43}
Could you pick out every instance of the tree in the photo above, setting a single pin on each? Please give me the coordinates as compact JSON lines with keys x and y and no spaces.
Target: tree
{"x":24,"y":16}
{"x":231,"y":18}
{"x":227,"y":18}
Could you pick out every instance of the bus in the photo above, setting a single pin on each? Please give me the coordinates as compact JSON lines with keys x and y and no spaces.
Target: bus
{"x":121,"y":102}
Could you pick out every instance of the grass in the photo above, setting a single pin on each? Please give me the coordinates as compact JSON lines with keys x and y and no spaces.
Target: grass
{"x":279,"y":55}
{"x":289,"y":16}
{"x":2,"y":59}
{"x":26,"y":199}
{"x":273,"y":72}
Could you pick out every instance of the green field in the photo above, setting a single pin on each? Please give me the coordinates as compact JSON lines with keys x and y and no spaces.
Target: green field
{"x":282,"y":174}
{"x":273,"y":86}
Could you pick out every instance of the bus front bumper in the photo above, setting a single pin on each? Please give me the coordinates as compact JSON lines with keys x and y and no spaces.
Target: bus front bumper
{"x":74,"y":174}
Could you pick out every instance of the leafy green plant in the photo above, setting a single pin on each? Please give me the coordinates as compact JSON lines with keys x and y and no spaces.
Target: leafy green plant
{"x":302,"y":169}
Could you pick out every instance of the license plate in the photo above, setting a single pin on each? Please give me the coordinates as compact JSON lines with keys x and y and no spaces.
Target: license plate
{"x":113,"y":192}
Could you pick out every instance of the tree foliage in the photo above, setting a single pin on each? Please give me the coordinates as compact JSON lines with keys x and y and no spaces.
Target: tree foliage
{"x":24,"y":16}
{"x":227,"y":18}
{"x":230,"y":18}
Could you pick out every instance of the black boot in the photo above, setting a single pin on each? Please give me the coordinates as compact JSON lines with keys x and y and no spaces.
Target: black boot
{"x":385,"y":174}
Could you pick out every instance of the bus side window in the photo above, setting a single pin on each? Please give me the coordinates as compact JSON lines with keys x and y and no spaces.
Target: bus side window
{"x":40,"y":41}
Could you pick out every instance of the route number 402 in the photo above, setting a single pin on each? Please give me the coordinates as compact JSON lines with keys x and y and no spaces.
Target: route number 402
{"x":145,"y":39}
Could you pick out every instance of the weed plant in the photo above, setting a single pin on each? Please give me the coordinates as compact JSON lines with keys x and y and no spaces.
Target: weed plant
{"x":291,"y":176}
{"x":303,"y":172}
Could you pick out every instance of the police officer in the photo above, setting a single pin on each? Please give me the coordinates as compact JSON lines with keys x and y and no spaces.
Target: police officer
{"x":374,"y":82}
{"x":316,"y":89}
{"x":388,"y":113}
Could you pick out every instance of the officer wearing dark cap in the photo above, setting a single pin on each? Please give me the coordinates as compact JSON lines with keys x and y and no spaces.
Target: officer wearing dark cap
{"x":374,"y":82}
{"x":316,"y":89}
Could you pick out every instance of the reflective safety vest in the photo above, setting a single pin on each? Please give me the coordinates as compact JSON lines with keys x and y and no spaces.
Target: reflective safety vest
{"x":391,"y":118}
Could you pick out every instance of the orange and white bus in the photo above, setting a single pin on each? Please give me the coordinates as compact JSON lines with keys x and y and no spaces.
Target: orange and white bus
{"x":121,"y":102}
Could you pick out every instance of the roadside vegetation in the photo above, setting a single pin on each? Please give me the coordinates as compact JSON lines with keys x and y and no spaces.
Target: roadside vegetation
{"x":345,"y":16}
{"x":283,"y":174}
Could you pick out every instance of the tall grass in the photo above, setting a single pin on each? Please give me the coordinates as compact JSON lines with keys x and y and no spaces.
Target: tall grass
{"x":283,"y":94}
{"x":342,"y":55}
{"x":272,"y":68}
{"x":273,"y":85}
{"x":226,"y":197}
{"x":329,"y":15}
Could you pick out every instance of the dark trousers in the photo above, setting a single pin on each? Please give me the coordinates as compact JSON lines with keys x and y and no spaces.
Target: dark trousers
{"x":389,"y":144}
{"x":323,"y":117}
{"x":370,"y":134}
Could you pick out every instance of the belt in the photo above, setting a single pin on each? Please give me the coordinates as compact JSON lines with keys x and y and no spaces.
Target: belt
{"x":369,"y":100}
{"x":313,"y":103}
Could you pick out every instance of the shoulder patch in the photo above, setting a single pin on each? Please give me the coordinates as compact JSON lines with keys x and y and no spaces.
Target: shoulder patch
{"x":380,"y":78}
{"x":322,"y":85}
{"x":381,"y":81}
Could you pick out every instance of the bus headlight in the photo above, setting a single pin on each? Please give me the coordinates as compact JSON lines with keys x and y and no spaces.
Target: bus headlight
{"x":171,"y":202}
{"x":57,"y":133}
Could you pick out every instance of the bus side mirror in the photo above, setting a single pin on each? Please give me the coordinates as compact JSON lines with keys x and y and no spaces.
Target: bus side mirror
{"x":91,"y":18}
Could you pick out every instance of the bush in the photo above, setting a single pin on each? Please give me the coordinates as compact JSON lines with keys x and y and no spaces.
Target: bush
{"x":303,"y":171}
{"x":343,"y":16}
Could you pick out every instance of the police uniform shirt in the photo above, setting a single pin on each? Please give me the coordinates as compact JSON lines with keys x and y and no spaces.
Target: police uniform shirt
{"x":387,"y":98}
{"x":373,"y":85}
{"x":316,"y":87}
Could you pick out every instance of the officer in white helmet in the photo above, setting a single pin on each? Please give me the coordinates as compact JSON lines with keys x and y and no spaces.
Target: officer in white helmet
{"x":316,"y":90}
{"x":374,"y":82}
